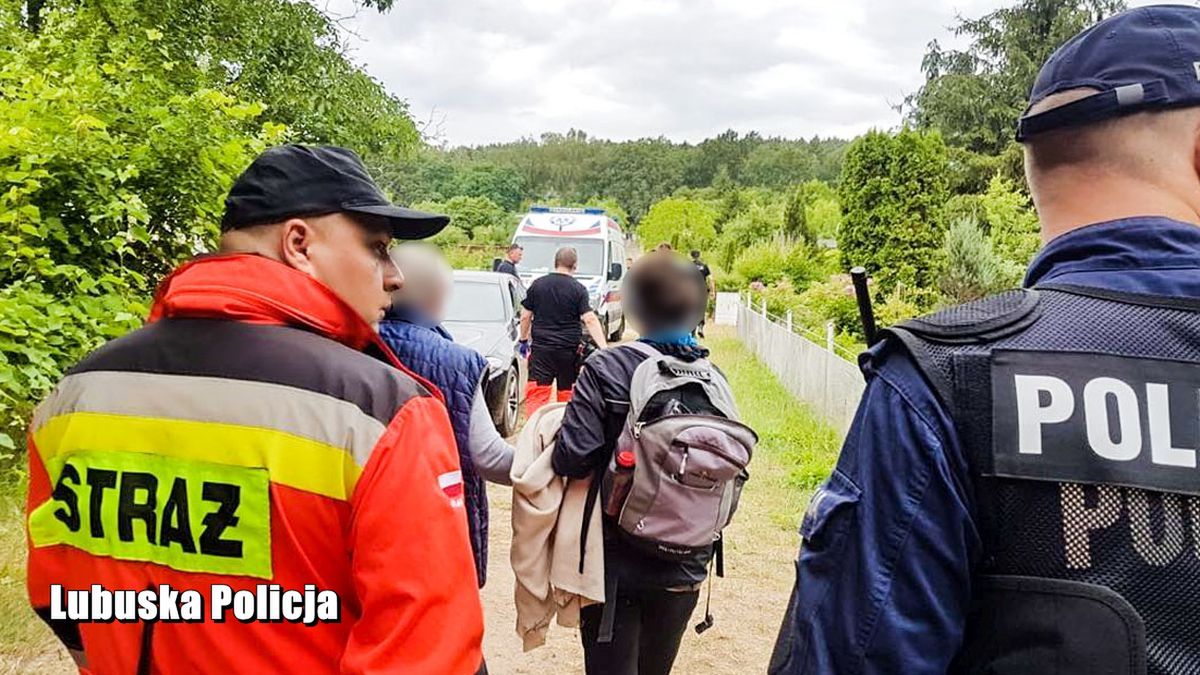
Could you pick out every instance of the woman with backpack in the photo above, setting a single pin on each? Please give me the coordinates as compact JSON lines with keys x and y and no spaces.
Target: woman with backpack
{"x":650,"y":595}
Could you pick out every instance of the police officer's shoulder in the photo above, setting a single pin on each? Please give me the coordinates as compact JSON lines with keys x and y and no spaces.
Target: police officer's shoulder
{"x":931,"y":340}
{"x":978,"y":321}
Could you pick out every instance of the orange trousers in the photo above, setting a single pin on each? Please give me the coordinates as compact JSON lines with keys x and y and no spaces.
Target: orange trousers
{"x":538,"y":395}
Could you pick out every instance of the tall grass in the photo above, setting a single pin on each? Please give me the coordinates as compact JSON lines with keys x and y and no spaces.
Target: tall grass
{"x":791,"y":437}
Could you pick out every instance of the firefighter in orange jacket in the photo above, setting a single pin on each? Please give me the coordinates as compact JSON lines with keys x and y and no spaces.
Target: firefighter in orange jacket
{"x":256,"y":437}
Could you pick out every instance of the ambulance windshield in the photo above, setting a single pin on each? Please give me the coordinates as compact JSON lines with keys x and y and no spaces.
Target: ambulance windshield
{"x":539,"y":254}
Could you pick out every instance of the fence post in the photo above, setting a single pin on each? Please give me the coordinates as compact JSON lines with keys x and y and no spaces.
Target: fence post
{"x":788,"y":320}
{"x":829,"y":344}
{"x":764,"y":308}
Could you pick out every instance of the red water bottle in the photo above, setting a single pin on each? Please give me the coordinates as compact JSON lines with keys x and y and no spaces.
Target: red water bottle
{"x":622,"y":480}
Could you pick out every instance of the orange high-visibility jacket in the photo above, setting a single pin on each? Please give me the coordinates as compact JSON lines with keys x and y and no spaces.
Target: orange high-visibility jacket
{"x":254,"y":432}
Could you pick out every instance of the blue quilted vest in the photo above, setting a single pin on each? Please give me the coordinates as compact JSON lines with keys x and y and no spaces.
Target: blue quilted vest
{"x":428,"y":350}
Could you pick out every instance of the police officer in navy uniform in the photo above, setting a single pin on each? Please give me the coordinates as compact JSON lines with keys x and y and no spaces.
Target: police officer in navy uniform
{"x":1019,"y":492}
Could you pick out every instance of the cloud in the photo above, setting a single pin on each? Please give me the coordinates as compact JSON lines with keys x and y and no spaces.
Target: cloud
{"x":496,"y":70}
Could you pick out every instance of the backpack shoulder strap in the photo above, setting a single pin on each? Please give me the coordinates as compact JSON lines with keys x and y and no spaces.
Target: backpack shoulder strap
{"x":644,"y":348}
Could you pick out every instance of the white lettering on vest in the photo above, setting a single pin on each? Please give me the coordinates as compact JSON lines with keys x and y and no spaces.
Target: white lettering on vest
{"x":1162,"y":450}
{"x":1099,"y":428}
{"x":1031,"y":414}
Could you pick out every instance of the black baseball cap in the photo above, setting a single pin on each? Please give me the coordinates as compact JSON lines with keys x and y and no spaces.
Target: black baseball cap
{"x":290,"y":181}
{"x":1143,"y":59}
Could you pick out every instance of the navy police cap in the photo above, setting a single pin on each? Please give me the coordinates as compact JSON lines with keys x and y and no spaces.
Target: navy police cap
{"x":292,"y":181}
{"x":1143,"y":59}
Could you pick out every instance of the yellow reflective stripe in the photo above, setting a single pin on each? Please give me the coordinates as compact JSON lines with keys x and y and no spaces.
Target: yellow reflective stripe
{"x":188,"y":515}
{"x":290,"y":460}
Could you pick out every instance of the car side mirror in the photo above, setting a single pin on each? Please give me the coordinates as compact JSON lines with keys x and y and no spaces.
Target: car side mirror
{"x":614,"y":271}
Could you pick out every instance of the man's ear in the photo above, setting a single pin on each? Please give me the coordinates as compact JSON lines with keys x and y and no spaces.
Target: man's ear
{"x":296,"y":238}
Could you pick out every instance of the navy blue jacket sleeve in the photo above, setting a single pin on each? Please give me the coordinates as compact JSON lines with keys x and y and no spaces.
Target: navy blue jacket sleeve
{"x":888,"y":542}
{"x":582,"y":444}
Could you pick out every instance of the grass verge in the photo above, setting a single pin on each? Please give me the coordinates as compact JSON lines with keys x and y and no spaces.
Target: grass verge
{"x":797,"y":450}
{"x":26,"y":644}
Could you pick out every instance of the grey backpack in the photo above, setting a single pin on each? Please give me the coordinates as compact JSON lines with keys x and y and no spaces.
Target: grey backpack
{"x":691,"y":456}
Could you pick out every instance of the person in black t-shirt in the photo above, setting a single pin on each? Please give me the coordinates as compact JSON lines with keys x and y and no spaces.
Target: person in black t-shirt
{"x":553,"y":308}
{"x":706,"y":284}
{"x":511,"y":260}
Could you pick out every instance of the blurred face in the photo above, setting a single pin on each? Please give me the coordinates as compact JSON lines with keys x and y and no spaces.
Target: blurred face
{"x":515,"y":255}
{"x":348,"y":256}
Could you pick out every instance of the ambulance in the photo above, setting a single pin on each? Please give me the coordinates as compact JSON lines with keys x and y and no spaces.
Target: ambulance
{"x":598,"y":240}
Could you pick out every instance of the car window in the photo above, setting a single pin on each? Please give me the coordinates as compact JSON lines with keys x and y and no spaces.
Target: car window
{"x":512,"y":296}
{"x":476,"y":301}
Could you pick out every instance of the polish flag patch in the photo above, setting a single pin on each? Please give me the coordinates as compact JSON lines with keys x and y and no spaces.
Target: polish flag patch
{"x":451,"y":484}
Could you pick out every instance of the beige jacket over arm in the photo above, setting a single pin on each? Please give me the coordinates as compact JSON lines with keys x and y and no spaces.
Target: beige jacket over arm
{"x":547,"y":525}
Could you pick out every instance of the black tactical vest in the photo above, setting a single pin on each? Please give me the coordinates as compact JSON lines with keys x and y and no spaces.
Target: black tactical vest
{"x":1079,"y":411}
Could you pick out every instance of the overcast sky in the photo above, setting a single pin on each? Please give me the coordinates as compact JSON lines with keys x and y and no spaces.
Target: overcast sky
{"x":496,"y":70}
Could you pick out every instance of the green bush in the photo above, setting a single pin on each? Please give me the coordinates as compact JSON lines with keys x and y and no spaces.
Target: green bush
{"x":471,"y":257}
{"x":757,"y":224}
{"x":972,"y":269}
{"x":892,"y":191}
{"x":812,"y":212}
{"x":681,"y":222}
{"x":965,"y":207}
{"x":832,"y":300}
{"x":493,"y":235}
{"x":778,"y":259}
{"x":469,"y":214}
{"x":901,"y":304}
{"x":994,"y":256}
{"x":451,"y":235}
{"x":42,"y":334}
{"x":970,"y":172}
{"x":124,"y":125}
{"x":765,"y":262}
{"x":824,"y":214}
{"x":728,"y":281}
{"x":1011,"y":222}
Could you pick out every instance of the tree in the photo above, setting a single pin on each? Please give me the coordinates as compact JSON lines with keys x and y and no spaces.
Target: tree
{"x":471,"y":215}
{"x":125,"y":124}
{"x":502,"y":185}
{"x":972,"y":269}
{"x":974,"y":96}
{"x":795,"y":215}
{"x":758,"y":223}
{"x":892,"y":191}
{"x":639,"y":173}
{"x":289,"y":56}
{"x":682,"y":223}
{"x":823,"y":215}
{"x":726,"y":151}
{"x":1011,"y":222}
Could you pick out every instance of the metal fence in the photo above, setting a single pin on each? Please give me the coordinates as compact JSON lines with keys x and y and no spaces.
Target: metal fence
{"x":818,"y":374}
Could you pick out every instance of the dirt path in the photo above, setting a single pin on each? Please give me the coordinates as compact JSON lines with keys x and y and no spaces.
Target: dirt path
{"x":747,"y":604}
